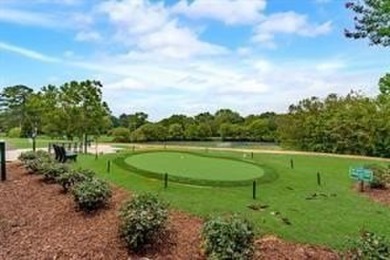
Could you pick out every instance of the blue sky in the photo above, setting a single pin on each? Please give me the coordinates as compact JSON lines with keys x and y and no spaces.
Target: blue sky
{"x":166,"y":57}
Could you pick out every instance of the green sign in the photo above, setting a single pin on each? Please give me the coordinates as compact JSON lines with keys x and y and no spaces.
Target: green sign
{"x":361,"y":174}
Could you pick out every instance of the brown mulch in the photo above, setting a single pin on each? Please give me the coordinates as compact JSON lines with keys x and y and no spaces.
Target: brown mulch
{"x":38,"y":221}
{"x":271,"y":247}
{"x":379,"y":195}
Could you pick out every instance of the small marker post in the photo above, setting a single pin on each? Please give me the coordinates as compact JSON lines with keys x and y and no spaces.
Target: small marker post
{"x":165,"y":180}
{"x":254,"y":190}
{"x":318,"y":179}
{"x":291,"y":163}
{"x":108,"y":166}
{"x":251,"y":155}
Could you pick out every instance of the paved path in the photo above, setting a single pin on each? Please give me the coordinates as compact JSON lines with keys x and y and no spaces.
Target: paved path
{"x":12,"y":155}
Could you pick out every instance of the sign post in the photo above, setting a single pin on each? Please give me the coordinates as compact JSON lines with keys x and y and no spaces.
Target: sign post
{"x":2,"y":161}
{"x":362,"y":175}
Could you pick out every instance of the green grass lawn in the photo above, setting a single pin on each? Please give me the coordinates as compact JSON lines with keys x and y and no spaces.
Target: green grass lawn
{"x":336,"y":213}
{"x":194,"y":166}
{"x":26,"y":143}
{"x":220,"y":144}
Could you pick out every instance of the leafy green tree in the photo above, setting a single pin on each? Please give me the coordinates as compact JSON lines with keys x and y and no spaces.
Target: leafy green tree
{"x":384,"y":84}
{"x":13,"y":105}
{"x":204,"y":131}
{"x":150,"y":132}
{"x":192,"y":132}
{"x":137,"y":120}
{"x":259,"y":130}
{"x":83,"y":109}
{"x":372,"y":21}
{"x":176,"y":132}
{"x":120,"y":134}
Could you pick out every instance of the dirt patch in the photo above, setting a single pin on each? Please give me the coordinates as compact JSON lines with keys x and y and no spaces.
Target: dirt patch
{"x":271,"y":247}
{"x":379,"y":195}
{"x":37,"y":221}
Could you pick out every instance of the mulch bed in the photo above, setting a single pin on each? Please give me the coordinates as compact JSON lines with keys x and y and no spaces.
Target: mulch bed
{"x":37,"y":221}
{"x":379,"y":195}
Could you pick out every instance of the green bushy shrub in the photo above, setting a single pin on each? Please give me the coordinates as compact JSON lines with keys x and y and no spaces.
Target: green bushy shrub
{"x":51,"y":171}
{"x":229,"y":238}
{"x":70,"y":178}
{"x":143,"y":219}
{"x":370,"y":246}
{"x":26,"y":156}
{"x":91,"y":194}
{"x":15,"y":132}
{"x":121,"y":134}
{"x":381,"y":176}
{"x":35,"y":162}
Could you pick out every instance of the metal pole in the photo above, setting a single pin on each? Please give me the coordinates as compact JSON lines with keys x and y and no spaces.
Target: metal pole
{"x":292,"y":163}
{"x":3,"y":161}
{"x":318,"y":179}
{"x":166,"y":180}
{"x":108,"y":166}
{"x":254,"y":190}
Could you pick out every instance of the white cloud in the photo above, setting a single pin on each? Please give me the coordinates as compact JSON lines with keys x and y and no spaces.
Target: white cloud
{"x":135,"y":16}
{"x":152,"y":29}
{"x":88,"y":36}
{"x":288,"y":23}
{"x":27,"y":53}
{"x":21,"y":17}
{"x":228,"y":11}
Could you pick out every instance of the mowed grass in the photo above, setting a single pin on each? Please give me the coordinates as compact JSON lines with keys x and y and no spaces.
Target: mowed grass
{"x":26,"y":143}
{"x":194,"y":166}
{"x":328,"y":219}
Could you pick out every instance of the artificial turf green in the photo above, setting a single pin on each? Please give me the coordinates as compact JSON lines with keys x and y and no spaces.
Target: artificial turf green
{"x":195,"y":166}
{"x":328,"y":214}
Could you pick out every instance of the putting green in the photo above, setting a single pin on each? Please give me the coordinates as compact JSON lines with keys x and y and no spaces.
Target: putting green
{"x":194,"y":168}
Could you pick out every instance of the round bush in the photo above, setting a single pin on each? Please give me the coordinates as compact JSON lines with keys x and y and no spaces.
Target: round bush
{"x":121,"y":134}
{"x":370,"y":246}
{"x":230,"y":238}
{"x":69,"y":179}
{"x":143,"y":220}
{"x":381,"y":178}
{"x":36,"y":162}
{"x":26,"y":156}
{"x":91,"y":194}
{"x":51,"y":171}
{"x":14,"y":132}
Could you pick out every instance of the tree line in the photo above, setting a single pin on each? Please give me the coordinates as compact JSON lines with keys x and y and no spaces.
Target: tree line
{"x":224,"y":124}
{"x":70,"y":111}
{"x":351,"y":124}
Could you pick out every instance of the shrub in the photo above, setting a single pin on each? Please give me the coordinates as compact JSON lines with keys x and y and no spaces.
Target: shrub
{"x":14,"y":132}
{"x":121,"y":134}
{"x":51,"y":171}
{"x":143,"y":219}
{"x":36,"y":162}
{"x":381,"y":176}
{"x":26,"y":156}
{"x":230,"y":238}
{"x":30,"y":155}
{"x":370,"y":246}
{"x":70,"y":178}
{"x":91,"y":194}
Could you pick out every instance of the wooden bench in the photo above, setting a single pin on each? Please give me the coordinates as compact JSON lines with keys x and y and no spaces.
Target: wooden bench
{"x":62,"y":155}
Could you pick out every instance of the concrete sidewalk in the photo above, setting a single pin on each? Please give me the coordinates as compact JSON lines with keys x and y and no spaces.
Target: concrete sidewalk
{"x":12,"y":155}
